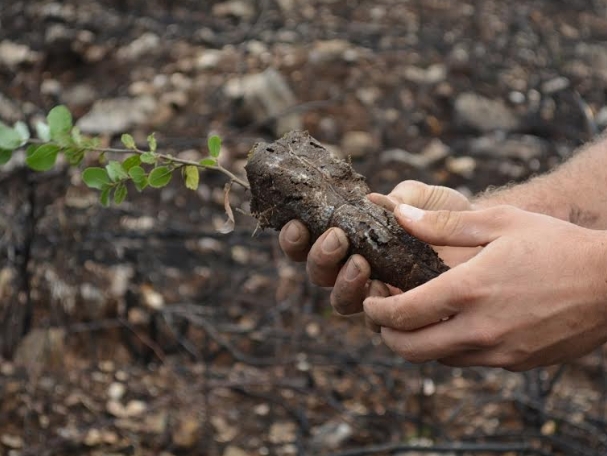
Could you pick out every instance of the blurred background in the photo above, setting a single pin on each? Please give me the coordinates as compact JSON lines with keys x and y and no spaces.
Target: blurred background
{"x":139,"y":330}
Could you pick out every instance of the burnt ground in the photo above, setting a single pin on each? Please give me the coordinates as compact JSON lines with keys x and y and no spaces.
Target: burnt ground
{"x":140,"y":330}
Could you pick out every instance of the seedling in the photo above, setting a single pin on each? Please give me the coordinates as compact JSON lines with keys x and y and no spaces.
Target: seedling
{"x":292,"y":178}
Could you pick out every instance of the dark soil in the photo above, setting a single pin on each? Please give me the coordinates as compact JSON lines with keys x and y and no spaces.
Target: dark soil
{"x":139,"y":330}
{"x":297,"y":178}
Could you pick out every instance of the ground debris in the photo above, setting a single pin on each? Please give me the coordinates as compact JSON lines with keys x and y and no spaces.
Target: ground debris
{"x":240,"y":354}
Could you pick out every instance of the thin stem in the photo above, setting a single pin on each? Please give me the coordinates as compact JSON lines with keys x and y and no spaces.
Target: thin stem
{"x":168,"y":158}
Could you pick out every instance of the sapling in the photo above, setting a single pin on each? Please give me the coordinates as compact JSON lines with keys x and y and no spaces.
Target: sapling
{"x":294,"y":177}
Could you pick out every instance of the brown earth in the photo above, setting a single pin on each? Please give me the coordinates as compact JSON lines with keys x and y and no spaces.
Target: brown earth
{"x":139,"y":330}
{"x":296,"y":177}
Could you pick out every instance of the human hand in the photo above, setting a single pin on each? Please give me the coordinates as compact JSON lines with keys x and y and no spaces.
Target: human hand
{"x":350,"y":281}
{"x":535,"y":295}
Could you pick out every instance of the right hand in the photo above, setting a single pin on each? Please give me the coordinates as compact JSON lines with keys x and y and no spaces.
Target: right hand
{"x":350,"y":280}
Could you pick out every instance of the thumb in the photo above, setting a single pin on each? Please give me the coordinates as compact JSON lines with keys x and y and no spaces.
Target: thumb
{"x":429,"y":197}
{"x":452,"y":228}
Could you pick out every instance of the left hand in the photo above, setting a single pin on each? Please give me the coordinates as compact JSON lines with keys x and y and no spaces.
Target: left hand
{"x":535,"y":295}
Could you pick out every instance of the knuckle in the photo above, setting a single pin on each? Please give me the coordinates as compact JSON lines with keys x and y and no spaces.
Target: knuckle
{"x":340,"y":306}
{"x":470,"y":290}
{"x":403,"y":348}
{"x":414,"y":357}
{"x":318,"y":274}
{"x":484,"y":336}
{"x":400,"y":318}
{"x":503,"y":360}
{"x":436,"y":197}
{"x":410,"y":192}
{"x":345,"y":302}
{"x":518,"y":358}
{"x":504,"y":213}
{"x":446,"y":222}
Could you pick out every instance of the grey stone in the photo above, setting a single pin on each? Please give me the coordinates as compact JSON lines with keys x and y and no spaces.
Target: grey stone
{"x":145,"y":44}
{"x":265,"y":96}
{"x":117,"y":115}
{"x":431,"y":75}
{"x":555,"y":85}
{"x":484,"y":114}
{"x":241,"y":9}
{"x":9,"y":110}
{"x":463,"y":166}
{"x":423,"y":443}
{"x":435,"y":151}
{"x":357,"y":144}
{"x":329,"y":50}
{"x":42,"y":347}
{"x":594,"y":56}
{"x":208,"y":59}
{"x":14,"y":54}
{"x":331,"y":435}
{"x":79,"y":95}
{"x":521,"y":147}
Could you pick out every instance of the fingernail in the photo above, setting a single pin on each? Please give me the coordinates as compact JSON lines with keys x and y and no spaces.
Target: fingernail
{"x":410,"y":212}
{"x":293,"y":233}
{"x":377,"y":289}
{"x":352,"y":270}
{"x":331,"y":242}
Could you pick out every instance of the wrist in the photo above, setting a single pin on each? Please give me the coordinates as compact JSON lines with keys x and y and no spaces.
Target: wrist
{"x":540,"y":195}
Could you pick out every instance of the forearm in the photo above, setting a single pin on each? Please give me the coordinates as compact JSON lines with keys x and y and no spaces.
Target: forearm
{"x":575,"y":191}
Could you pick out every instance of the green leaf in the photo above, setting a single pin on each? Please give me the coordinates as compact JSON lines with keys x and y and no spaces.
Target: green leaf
{"x":31,"y":149}
{"x":43,"y":131}
{"x":192,"y":177}
{"x":160,"y":177}
{"x":128,"y":141}
{"x":142,"y":184}
{"x":9,"y":138}
{"x":208,"y":162}
{"x":60,"y":122}
{"x":137,"y":173}
{"x":149,"y":157}
{"x":130,"y":162}
{"x":22,"y":131}
{"x":115,"y":171}
{"x":74,"y":156}
{"x":96,"y":178}
{"x":90,"y":143}
{"x":104,"y":198}
{"x":214,"y":144}
{"x":43,"y":158}
{"x":152,"y":142}
{"x":120,"y":193}
{"x":77,"y":137}
{"x":5,"y":156}
{"x":139,"y":177}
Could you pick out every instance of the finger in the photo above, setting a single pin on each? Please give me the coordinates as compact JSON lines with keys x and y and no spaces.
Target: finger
{"x":411,"y":192}
{"x":372,"y":326}
{"x":384,"y":201}
{"x":439,"y":341}
{"x":425,"y":305}
{"x":294,"y":240}
{"x":376,"y":289}
{"x":490,"y":358}
{"x":350,"y":286}
{"x":429,"y":197}
{"x":480,"y":358}
{"x":326,"y":257}
{"x":455,"y":228}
